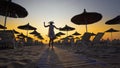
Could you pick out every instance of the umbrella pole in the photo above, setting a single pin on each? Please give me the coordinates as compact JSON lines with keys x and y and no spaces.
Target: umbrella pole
{"x":111,"y":36}
{"x":27,"y":33}
{"x":5,"y":21}
{"x":6,"y":16}
{"x":27,"y":36}
{"x":85,"y":23}
{"x":86,"y":28}
{"x":67,"y":33}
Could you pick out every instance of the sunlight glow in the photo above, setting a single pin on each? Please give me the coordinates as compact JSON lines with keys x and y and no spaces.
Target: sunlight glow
{"x":61,"y":12}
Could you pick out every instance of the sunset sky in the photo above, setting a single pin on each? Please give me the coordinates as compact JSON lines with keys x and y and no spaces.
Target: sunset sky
{"x":61,"y":12}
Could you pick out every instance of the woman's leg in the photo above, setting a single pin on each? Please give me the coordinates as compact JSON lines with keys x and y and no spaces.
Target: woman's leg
{"x":52,"y":41}
{"x":49,"y":42}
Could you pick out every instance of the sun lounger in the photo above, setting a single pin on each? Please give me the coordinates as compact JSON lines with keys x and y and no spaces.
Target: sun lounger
{"x":97,"y":38}
{"x":85,"y":39}
{"x":7,"y":39}
{"x":65,"y":41}
{"x":29,"y":41}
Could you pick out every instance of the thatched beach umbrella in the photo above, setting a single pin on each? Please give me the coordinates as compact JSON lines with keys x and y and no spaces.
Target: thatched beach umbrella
{"x":21,"y":35}
{"x":40,"y":37}
{"x":76,"y":33}
{"x":86,"y":18}
{"x":67,"y":28}
{"x":16,"y":32}
{"x":114,"y":21}
{"x":60,"y":33}
{"x":34,"y":32}
{"x":70,"y":36}
{"x":11,"y":9}
{"x":27,"y":27}
{"x":77,"y":38}
{"x":111,"y":30}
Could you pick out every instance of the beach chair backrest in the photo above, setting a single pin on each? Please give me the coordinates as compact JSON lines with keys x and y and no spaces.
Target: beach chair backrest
{"x":98,"y":37}
{"x":7,"y":38}
{"x":86,"y":36}
{"x":7,"y":34}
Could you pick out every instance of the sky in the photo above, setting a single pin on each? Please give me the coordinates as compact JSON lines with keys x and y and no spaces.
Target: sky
{"x":61,"y":12}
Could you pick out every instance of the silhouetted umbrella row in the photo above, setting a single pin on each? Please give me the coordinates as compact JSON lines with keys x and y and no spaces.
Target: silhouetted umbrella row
{"x":111,"y":30}
{"x":21,"y":35}
{"x":86,"y":18}
{"x":11,"y":9}
{"x":35,"y":33}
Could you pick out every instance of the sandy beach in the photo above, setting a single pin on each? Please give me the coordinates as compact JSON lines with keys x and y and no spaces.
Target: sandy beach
{"x":44,"y":57}
{"x":108,"y":54}
{"x":20,"y":57}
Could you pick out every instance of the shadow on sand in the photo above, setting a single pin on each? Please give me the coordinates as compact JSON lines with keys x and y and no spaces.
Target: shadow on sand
{"x":49,"y":59}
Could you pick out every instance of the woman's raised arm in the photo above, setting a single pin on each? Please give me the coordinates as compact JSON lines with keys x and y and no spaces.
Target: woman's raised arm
{"x":45,"y":25}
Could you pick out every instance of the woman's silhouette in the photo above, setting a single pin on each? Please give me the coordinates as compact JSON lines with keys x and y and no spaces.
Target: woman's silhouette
{"x":51,"y":33}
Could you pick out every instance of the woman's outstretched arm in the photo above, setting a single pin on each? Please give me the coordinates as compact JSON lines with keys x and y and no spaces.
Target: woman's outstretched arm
{"x":56,"y":27}
{"x":45,"y":25}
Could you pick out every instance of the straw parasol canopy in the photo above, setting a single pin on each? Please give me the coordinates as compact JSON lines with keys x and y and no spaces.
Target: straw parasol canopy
{"x":86,"y":18}
{"x":76,"y":33}
{"x":70,"y":36}
{"x":60,"y":33}
{"x":67,"y":28}
{"x":77,"y":38}
{"x":111,"y":30}
{"x":2,"y":27}
{"x":21,"y":35}
{"x":11,"y":9}
{"x":27,"y":27}
{"x":40,"y":37}
{"x":16,"y":32}
{"x":34,"y":32}
{"x":114,"y":21}
{"x":57,"y":35}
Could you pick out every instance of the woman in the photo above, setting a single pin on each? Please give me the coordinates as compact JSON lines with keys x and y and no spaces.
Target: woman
{"x":51,"y":33}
